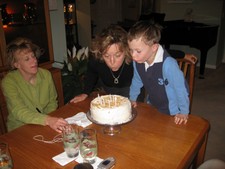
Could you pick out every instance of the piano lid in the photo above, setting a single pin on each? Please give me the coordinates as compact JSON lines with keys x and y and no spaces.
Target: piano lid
{"x":193,"y":34}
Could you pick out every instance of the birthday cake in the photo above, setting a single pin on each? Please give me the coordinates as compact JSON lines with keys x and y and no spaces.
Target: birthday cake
{"x":111,"y":109}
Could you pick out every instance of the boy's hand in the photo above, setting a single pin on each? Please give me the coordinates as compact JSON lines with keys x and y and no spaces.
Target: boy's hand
{"x":133,"y":104}
{"x":181,"y":118}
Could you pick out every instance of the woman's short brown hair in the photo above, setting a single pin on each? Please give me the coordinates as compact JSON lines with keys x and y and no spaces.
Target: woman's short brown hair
{"x":20,"y":44}
{"x":113,"y":34}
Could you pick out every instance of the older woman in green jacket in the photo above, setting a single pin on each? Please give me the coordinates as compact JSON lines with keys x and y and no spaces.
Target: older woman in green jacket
{"x":29,"y":90}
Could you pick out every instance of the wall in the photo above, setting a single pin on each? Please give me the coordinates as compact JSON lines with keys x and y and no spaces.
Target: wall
{"x":131,"y":9}
{"x":221,"y":45}
{"x":58,"y":30}
{"x":104,"y":13}
{"x":58,"y":27}
{"x":204,"y":11}
{"x":84,"y":22}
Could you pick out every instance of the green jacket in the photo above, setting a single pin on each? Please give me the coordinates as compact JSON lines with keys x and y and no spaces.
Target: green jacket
{"x":28,"y":103}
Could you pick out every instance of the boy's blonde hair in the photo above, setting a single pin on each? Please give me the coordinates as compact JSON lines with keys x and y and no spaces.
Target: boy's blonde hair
{"x":149,"y":32}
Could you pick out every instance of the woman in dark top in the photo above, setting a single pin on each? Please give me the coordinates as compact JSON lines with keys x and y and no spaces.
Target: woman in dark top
{"x":110,"y":63}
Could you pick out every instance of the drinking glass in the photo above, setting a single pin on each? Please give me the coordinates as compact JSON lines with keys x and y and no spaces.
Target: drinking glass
{"x":71,"y":141}
{"x":88,"y":145}
{"x":5,"y":158}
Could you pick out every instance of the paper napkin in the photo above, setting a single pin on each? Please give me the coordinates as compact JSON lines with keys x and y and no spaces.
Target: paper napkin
{"x":79,"y":119}
{"x":62,"y":159}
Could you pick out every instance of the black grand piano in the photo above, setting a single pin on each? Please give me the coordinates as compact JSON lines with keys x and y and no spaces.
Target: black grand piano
{"x":197,"y":35}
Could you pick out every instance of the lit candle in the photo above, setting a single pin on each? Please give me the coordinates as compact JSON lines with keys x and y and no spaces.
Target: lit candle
{"x":103,"y":101}
{"x":100,"y":99}
{"x":110,"y":97}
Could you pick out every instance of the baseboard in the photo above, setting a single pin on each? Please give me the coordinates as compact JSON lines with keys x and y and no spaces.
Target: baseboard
{"x":208,"y":66}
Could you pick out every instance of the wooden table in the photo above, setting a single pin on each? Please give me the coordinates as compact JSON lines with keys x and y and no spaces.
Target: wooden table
{"x":151,"y":140}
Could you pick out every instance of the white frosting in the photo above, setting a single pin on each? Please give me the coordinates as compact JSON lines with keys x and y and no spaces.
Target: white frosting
{"x":111,"y":109}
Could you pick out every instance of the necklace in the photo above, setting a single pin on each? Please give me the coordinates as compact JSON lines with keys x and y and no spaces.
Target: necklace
{"x":116,"y":79}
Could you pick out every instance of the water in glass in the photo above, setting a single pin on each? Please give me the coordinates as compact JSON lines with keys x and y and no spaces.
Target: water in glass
{"x":5,"y":158}
{"x":88,"y":146}
{"x":71,"y":141}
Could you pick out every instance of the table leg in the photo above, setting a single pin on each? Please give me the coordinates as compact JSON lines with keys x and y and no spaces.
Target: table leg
{"x":199,"y":159}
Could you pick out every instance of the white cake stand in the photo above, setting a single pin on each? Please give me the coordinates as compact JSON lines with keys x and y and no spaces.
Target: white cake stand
{"x":112,"y":129}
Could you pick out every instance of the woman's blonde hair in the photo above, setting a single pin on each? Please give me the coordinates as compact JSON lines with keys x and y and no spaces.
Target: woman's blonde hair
{"x":113,"y":34}
{"x":21,"y":44}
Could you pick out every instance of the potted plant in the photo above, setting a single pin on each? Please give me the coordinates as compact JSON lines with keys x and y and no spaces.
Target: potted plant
{"x":75,"y":67}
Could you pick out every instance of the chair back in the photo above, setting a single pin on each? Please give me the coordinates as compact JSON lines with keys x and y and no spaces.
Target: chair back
{"x":3,"y":107}
{"x":187,"y":64}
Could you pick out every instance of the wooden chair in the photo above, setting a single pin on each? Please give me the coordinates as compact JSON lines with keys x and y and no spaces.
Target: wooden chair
{"x":56,"y":75}
{"x":3,"y":107}
{"x":187,"y":64}
{"x":57,"y":78}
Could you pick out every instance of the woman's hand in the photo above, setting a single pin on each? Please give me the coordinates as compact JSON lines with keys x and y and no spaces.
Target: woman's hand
{"x":79,"y":98}
{"x":56,"y":123}
{"x":181,"y":118}
{"x":133,"y":104}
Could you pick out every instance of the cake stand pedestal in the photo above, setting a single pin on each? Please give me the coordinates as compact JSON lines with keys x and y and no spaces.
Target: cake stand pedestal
{"x":112,"y":129}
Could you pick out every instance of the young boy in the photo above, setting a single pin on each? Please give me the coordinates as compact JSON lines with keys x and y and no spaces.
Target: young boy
{"x":158,"y":72}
